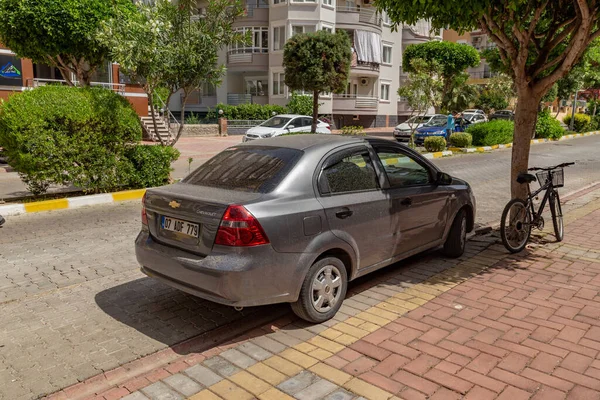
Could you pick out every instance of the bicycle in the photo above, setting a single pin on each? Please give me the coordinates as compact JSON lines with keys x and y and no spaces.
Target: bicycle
{"x":523,"y":216}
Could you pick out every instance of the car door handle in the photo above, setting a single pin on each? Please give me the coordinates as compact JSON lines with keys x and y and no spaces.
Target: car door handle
{"x":406,"y":202}
{"x":344,"y":214}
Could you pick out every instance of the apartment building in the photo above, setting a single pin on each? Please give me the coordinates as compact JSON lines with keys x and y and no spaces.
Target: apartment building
{"x":480,"y":41}
{"x":255,"y":72}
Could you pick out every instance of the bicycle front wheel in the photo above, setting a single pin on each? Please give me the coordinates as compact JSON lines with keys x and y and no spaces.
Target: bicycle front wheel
{"x":515,"y":227}
{"x":557,"y":217}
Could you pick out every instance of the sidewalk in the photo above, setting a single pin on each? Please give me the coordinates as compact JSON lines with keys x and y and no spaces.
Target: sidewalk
{"x":486,"y":326}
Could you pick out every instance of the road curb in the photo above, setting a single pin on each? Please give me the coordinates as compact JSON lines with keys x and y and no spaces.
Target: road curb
{"x":72,"y":202}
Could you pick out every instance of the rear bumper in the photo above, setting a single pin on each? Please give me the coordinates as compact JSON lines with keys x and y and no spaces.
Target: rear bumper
{"x":236,"y":277}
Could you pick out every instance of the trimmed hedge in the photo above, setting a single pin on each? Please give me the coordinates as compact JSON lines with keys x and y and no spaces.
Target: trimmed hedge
{"x":353,"y":130}
{"x":461,"y":139}
{"x":548,"y":127}
{"x":491,"y":133}
{"x":434,"y":143}
{"x":150,"y":165}
{"x":69,"y":136}
{"x":582,"y":122}
{"x":246,"y":111}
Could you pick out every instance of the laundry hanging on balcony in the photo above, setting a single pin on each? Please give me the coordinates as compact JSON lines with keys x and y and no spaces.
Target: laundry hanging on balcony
{"x":367,"y":46}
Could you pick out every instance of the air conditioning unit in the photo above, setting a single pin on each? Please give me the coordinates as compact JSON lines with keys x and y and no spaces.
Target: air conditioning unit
{"x":364,"y":81}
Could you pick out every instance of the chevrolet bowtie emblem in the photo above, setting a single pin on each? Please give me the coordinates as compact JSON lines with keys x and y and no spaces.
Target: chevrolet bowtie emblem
{"x":175,"y":204}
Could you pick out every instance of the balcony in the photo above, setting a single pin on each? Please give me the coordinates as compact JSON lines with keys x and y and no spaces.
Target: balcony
{"x":235,"y":99}
{"x":239,"y":58}
{"x":363,"y":67}
{"x":358,"y":16}
{"x":37,"y":82}
{"x":353,"y":102}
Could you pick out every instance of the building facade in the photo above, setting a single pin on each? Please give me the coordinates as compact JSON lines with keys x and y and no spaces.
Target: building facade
{"x":255,"y":72}
{"x":480,"y":41}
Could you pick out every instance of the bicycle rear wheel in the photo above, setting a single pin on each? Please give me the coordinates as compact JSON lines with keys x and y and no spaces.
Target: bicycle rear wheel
{"x":557,"y":217}
{"x":515,"y":227}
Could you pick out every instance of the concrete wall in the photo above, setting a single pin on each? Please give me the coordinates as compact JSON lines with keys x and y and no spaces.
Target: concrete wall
{"x":200,"y":130}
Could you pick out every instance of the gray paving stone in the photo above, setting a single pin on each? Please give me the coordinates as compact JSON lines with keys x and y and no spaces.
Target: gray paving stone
{"x":135,"y":396}
{"x":238,"y":358}
{"x":254,"y":351}
{"x":203,"y":375}
{"x":297,"y":383}
{"x":221,"y":366}
{"x":339,"y":395}
{"x":317,"y":390}
{"x":268,"y":344}
{"x":160,"y":391}
{"x":183,"y":384}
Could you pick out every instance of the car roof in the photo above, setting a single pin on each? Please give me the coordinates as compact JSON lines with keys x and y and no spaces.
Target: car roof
{"x":291,"y":116}
{"x":304,"y":141}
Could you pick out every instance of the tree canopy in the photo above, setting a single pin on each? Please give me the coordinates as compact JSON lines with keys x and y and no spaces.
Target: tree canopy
{"x":317,"y":62}
{"x":539,"y":40}
{"x":61,"y":34}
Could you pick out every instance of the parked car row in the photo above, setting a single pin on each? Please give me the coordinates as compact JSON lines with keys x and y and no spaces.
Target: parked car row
{"x":294,"y":219}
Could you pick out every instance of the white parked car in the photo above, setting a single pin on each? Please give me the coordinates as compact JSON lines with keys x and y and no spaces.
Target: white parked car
{"x":402,"y":132}
{"x":282,"y":124}
{"x":476,"y":111}
{"x":474,"y":118}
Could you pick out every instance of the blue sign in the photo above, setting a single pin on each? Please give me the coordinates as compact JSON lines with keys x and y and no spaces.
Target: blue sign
{"x":10,"y":71}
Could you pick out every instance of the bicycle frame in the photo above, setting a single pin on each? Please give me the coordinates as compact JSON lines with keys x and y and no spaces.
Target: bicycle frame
{"x":548,"y":187}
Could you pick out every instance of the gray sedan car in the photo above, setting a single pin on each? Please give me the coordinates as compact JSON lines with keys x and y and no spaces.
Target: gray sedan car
{"x":294,"y":219}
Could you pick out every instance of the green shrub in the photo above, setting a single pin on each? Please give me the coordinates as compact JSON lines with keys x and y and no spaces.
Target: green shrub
{"x":490,"y":133}
{"x":548,"y":127}
{"x":353,"y":130}
{"x":461,"y":139}
{"x":300,"y":104}
{"x":150,"y":165}
{"x":435,"y":143}
{"x":193,"y":119}
{"x":582,"y":122}
{"x":595,"y":123}
{"x":69,"y":136}
{"x":246,"y":111}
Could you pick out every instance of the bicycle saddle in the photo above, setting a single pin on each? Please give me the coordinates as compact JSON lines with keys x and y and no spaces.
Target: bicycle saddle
{"x":526,"y":178}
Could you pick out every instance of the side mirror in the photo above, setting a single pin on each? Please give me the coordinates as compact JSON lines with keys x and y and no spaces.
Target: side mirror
{"x":443,"y":179}
{"x":290,"y":127}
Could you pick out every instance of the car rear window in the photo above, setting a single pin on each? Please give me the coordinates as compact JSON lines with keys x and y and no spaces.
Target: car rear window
{"x":246,"y":169}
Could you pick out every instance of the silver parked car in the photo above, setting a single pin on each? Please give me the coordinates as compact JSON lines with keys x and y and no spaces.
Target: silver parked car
{"x":293,"y":219}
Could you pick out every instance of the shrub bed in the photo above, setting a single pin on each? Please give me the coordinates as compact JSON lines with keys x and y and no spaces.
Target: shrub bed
{"x":581,"y":124}
{"x":548,"y":127}
{"x":149,"y":165}
{"x":246,"y":111}
{"x":353,"y":130}
{"x":461,"y":139}
{"x":492,"y":133}
{"x":434,"y":143}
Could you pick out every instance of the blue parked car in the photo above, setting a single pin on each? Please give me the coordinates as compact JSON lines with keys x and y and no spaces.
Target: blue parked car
{"x":435,"y":127}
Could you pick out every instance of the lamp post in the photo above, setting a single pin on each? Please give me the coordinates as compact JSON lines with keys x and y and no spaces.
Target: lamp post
{"x":222,"y":124}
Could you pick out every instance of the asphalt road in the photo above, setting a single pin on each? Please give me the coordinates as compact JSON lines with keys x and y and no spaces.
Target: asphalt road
{"x":73,"y":303}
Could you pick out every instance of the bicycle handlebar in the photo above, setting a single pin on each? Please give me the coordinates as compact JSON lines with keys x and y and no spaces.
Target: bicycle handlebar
{"x":551,"y":168}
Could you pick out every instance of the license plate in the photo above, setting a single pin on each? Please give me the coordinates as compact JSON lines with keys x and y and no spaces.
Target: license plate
{"x":179,"y":226}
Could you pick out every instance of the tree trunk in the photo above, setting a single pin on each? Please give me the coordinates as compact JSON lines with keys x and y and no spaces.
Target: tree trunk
{"x":525,"y":119}
{"x":313,"y":128}
{"x":181,"y":125}
{"x":151,"y":100}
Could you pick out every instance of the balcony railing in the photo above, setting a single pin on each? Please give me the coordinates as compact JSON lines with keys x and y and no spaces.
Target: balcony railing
{"x":365,"y":15}
{"x":482,"y":74}
{"x":359,"y":100}
{"x":235,"y":99}
{"x":239,"y":58}
{"x":251,"y":6}
{"x":37,"y":82}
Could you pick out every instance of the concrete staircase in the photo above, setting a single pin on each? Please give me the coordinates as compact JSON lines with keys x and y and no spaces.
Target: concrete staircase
{"x":161,"y":123}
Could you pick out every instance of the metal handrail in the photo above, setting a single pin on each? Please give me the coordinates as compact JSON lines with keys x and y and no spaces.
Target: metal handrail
{"x":115,"y":87}
{"x":352,"y":96}
{"x":170,"y":116}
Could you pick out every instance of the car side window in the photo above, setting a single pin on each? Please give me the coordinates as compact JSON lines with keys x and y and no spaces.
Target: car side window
{"x":401,"y":169}
{"x":296,"y":123}
{"x":348,"y":171}
{"x":307,"y":122}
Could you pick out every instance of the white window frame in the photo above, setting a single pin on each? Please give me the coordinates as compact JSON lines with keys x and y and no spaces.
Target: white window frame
{"x":279,"y":2}
{"x":282,"y":34}
{"x":391,"y":47}
{"x":386,"y":19}
{"x":281,"y":88}
{"x":303,"y":25}
{"x":328,"y":4}
{"x":328,"y":27}
{"x":383,"y":83}
{"x":254,"y":47}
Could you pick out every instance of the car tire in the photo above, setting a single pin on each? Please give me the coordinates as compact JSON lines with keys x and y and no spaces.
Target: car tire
{"x":457,"y":237}
{"x":307,"y":306}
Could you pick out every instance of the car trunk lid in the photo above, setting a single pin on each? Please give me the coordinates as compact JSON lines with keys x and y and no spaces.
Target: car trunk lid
{"x":188,"y":216}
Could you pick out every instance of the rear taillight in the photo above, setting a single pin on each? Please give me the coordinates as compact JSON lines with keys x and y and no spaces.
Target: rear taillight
{"x":239,"y":228}
{"x":144,"y":215}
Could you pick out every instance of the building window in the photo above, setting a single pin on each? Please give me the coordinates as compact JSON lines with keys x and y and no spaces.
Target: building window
{"x":387,"y":54}
{"x":385,"y":91}
{"x":302,"y":29}
{"x":279,"y":1}
{"x":208,"y":89}
{"x":328,"y":2}
{"x":350,"y":5}
{"x":386,"y":19}
{"x":260,"y":40}
{"x":278,"y":38}
{"x":304,"y":1}
{"x":278,"y":83}
{"x":327,"y":28}
{"x":257,"y":86}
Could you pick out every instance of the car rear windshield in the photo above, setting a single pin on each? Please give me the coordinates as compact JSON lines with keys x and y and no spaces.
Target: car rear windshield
{"x":246,"y":169}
